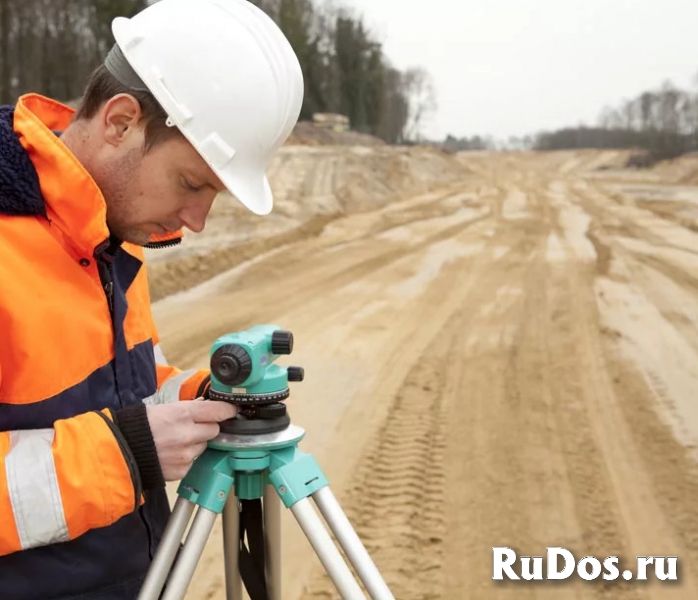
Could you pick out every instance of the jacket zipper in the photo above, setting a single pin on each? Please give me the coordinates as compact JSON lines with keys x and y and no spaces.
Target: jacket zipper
{"x":104,"y":259}
{"x":104,"y":255}
{"x":164,"y":243}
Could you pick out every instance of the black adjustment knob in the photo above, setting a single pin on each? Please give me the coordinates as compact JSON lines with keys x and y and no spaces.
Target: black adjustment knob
{"x":271,"y":411}
{"x":231,"y":364}
{"x":295,"y":373}
{"x":281,"y":342}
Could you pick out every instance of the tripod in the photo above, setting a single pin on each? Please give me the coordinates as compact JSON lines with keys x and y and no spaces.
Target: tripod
{"x":257,"y":466}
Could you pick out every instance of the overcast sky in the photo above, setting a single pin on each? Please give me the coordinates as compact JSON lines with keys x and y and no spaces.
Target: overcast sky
{"x":512,"y":67}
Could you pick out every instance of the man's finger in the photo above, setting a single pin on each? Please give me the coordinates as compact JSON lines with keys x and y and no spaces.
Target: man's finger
{"x":204,"y":432}
{"x":211,"y":411}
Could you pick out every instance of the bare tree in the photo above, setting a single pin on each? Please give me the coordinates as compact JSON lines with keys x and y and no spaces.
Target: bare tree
{"x":421,"y":99}
{"x":610,"y":118}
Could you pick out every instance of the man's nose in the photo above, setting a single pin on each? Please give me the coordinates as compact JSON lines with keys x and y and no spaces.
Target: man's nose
{"x":193,"y":216}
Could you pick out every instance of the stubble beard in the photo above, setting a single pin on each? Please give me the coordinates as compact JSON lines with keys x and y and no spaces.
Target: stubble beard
{"x":120,"y":202}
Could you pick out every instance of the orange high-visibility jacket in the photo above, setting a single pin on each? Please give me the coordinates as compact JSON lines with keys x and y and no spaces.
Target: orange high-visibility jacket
{"x":78,"y":354}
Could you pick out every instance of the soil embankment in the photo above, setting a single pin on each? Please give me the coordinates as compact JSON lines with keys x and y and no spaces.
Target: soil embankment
{"x":503,"y":354}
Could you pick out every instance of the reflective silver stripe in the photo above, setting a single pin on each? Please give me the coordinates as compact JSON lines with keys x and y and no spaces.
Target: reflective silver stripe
{"x":159,"y":356}
{"x":169,"y":391}
{"x":34,"y":492}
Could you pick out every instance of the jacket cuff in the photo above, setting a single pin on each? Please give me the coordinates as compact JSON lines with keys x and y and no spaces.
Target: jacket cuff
{"x":132,"y":421}
{"x":204,"y":387}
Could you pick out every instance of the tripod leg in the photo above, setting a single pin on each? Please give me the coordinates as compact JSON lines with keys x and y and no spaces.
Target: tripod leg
{"x":190,"y":554}
{"x":166,"y":552}
{"x":272,"y":533}
{"x":231,"y":549}
{"x":351,"y":544}
{"x":327,"y":552}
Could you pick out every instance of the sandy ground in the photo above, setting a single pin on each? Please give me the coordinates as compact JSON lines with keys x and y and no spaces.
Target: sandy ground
{"x":505,"y":356}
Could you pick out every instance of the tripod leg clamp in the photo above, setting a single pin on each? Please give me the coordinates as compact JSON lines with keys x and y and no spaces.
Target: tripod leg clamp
{"x":295,"y":475}
{"x":208,"y":482}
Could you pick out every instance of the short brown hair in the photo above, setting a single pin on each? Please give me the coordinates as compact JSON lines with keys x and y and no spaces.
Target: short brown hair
{"x":102,"y":85}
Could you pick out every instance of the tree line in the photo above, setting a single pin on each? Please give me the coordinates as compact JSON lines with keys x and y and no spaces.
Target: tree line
{"x":346,"y":72}
{"x":662,"y":122}
{"x":51,"y":46}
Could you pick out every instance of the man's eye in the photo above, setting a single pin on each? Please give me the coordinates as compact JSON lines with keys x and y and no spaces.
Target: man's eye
{"x":190,"y":186}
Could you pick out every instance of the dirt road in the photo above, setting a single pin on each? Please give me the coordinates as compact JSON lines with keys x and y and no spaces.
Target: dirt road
{"x":511,"y":360}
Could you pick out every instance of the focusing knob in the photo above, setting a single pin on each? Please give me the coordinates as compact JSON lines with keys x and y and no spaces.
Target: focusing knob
{"x":270,"y":411}
{"x":281,"y":342}
{"x":295,"y":373}
{"x":231,"y":364}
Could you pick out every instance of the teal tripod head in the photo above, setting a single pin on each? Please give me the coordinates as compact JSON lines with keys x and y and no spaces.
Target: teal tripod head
{"x":243,"y":373}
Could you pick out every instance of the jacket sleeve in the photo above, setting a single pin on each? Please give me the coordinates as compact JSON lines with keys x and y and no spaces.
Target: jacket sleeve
{"x":56,"y":484}
{"x":175,"y":384}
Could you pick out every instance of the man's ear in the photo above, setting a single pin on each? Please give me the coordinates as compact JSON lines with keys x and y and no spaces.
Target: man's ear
{"x":121,"y":119}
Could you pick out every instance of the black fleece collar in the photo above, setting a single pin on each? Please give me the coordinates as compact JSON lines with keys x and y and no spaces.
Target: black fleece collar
{"x":20,"y":192}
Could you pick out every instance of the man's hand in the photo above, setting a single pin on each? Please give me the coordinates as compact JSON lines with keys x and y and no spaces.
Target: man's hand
{"x":181,"y":429}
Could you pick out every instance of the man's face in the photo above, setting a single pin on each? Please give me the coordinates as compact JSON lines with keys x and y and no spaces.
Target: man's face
{"x":159,"y":191}
{"x":152,"y":192}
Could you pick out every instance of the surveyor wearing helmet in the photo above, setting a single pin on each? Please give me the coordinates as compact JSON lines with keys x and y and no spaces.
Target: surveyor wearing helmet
{"x":194,"y":99}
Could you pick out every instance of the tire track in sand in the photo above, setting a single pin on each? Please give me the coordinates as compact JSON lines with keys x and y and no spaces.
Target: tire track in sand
{"x":396,"y":500}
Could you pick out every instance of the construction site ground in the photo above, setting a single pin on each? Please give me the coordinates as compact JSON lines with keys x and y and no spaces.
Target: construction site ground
{"x":501,"y":349}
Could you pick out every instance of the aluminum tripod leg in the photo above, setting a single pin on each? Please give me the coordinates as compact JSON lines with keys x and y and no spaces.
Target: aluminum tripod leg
{"x":171,"y":538}
{"x":191,"y":553}
{"x":326,"y":551}
{"x":181,"y":574}
{"x":351,"y":544}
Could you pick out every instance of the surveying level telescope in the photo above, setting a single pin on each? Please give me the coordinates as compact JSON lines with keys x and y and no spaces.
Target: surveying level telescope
{"x":243,"y":372}
{"x":256,"y":457}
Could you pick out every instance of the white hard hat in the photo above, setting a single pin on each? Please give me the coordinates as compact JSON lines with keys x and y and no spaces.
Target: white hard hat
{"x":226,"y":76}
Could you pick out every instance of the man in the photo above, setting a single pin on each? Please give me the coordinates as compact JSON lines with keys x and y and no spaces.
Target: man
{"x":194,"y":99}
